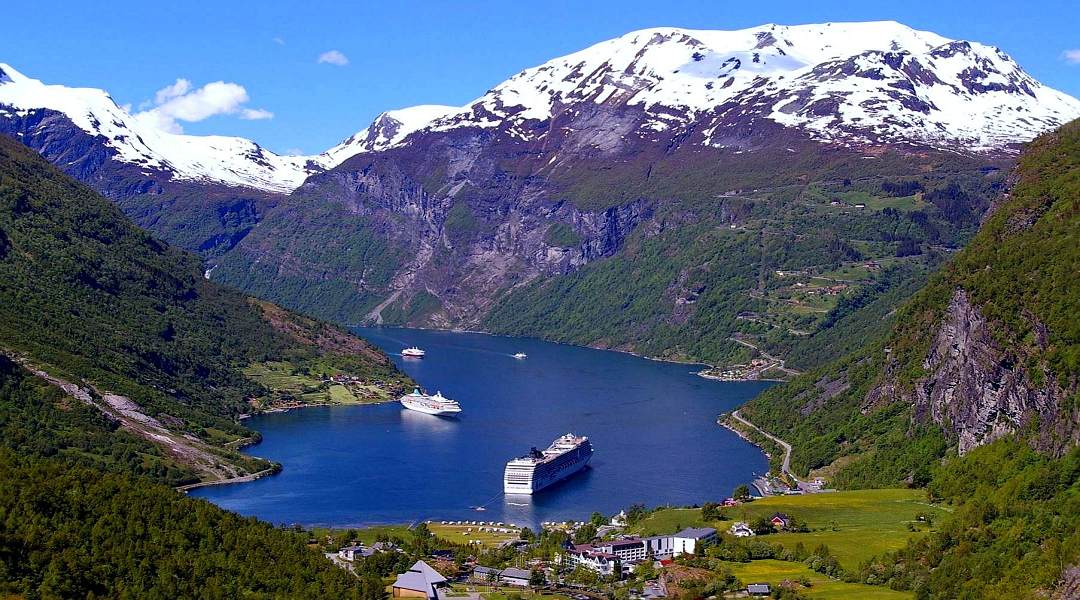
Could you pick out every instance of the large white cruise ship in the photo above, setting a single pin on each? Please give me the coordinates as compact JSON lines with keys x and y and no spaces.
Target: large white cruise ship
{"x":432,"y":405}
{"x":537,"y":470}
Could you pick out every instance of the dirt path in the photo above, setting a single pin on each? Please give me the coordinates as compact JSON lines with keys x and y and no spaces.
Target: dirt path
{"x":184,"y":448}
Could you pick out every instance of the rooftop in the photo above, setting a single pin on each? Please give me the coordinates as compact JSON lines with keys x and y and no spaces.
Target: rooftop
{"x":696,"y":533}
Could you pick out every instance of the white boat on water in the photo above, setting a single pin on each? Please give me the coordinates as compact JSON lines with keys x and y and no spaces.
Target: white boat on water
{"x":538,"y":469}
{"x":433,"y":405}
{"x":414,"y":352}
{"x":521,"y":356}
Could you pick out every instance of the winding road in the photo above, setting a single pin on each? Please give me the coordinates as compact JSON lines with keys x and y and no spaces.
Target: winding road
{"x":786,"y":465}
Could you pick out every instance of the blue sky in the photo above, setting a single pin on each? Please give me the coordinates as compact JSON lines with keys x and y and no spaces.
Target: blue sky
{"x":426,"y":52}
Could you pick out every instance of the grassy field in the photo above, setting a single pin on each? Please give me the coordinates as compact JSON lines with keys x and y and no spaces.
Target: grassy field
{"x":366,"y":535}
{"x":286,"y":383}
{"x":821,"y":587}
{"x":855,"y":525}
{"x":463,"y":591}
{"x":464,"y":534}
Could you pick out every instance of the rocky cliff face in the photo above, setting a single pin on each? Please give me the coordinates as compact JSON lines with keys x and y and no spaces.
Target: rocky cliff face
{"x":978,"y":390}
{"x":463,"y":238}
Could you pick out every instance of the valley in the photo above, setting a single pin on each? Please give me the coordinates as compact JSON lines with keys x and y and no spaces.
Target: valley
{"x":850,"y":247}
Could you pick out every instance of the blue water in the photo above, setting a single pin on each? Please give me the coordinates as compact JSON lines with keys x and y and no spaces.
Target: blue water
{"x":652,"y":425}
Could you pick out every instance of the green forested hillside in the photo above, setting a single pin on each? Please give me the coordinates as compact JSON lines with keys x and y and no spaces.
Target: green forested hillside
{"x":807,"y":272}
{"x":151,"y":359}
{"x":1020,"y":271}
{"x":868,"y":420}
{"x":71,"y":532}
{"x":88,"y":297}
{"x":1014,"y":528}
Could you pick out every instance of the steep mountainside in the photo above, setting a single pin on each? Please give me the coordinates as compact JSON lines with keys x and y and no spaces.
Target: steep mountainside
{"x":670,"y":188}
{"x":120,"y":371}
{"x":665,"y":191}
{"x":991,"y":347}
{"x":129,"y":328}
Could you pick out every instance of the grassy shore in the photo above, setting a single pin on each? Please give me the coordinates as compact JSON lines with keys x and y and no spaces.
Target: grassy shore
{"x":289,"y":386}
{"x":855,"y":525}
{"x":471,"y":534}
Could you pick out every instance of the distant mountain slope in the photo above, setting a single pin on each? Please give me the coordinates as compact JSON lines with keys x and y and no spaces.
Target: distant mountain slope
{"x":848,"y":156}
{"x":990,"y":348}
{"x":130,"y":326}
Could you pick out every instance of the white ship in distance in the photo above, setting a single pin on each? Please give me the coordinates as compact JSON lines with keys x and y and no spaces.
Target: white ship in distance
{"x":433,"y":405}
{"x":535,"y":471}
{"x":414,"y":352}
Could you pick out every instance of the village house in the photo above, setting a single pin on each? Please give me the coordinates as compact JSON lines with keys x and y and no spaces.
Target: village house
{"x":690,"y":539}
{"x":741,"y":529}
{"x":621,"y":556}
{"x":420,"y":581}
{"x":758,"y":589}
{"x":351,"y":553}
{"x":593,"y":559}
{"x":515,"y":577}
{"x":486,"y":574}
{"x":780,"y":521}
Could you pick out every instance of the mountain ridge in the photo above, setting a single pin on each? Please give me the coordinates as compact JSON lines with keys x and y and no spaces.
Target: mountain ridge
{"x":676,"y":75}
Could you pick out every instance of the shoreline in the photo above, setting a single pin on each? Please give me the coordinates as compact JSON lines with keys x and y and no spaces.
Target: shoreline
{"x":278,"y":467}
{"x":241,"y":479}
{"x":693,"y":363}
{"x":538,"y":339}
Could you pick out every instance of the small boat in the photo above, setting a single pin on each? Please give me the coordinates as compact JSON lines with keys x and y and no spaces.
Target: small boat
{"x":413,"y":352}
{"x":438,"y":404}
{"x":521,"y":356}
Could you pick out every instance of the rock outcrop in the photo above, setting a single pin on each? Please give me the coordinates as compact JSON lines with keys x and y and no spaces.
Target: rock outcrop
{"x":979,"y":391}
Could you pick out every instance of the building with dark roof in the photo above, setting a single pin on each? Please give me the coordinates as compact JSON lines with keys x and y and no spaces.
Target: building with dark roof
{"x":758,"y":589}
{"x":420,"y":581}
{"x":514,"y":576}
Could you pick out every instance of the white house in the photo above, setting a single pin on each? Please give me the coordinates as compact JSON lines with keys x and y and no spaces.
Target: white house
{"x":590,"y":558}
{"x":353,"y":552}
{"x":515,"y":577}
{"x":690,"y":539}
{"x":741,"y":529}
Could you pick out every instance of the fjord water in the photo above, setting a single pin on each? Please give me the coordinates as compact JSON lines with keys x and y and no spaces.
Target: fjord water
{"x":652,"y":425}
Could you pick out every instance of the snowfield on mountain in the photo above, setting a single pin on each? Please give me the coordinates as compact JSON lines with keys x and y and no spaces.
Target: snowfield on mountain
{"x":847,"y":83}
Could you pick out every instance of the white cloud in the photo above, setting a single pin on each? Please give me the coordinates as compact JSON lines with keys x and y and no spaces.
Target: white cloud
{"x":1072,"y":56}
{"x":181,"y":87}
{"x":280,"y":41}
{"x":256,"y":114}
{"x":180,"y":102}
{"x":333,"y":57}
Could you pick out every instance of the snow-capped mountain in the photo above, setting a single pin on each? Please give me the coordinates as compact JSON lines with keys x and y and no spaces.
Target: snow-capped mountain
{"x":388,"y":130}
{"x":218,"y":159}
{"x":858,"y":82}
{"x":848,"y":83}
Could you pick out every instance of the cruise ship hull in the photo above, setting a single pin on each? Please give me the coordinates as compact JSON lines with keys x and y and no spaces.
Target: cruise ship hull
{"x":524,"y":476}
{"x":429,"y":410}
{"x":541,"y":483}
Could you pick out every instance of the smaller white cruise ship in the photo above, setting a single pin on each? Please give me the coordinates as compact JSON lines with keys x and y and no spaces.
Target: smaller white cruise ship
{"x":438,"y":404}
{"x":535,"y":471}
{"x":413,"y":352}
{"x":521,"y":356}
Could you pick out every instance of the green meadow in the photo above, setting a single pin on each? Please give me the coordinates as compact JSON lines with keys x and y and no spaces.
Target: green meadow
{"x":855,"y":525}
{"x":821,"y":587}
